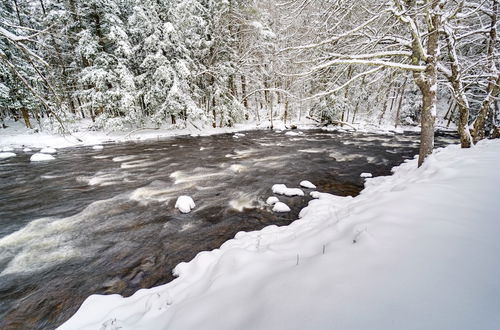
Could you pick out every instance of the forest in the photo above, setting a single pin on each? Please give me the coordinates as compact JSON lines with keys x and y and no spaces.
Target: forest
{"x":128,"y":64}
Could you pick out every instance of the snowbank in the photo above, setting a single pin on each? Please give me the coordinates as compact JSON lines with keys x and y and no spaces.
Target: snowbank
{"x":415,"y":250}
{"x":184,"y":204}
{"x":40,"y":157}
{"x":5,"y":155}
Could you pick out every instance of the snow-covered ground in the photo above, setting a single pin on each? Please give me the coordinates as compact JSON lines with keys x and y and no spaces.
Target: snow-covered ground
{"x":416,"y":250}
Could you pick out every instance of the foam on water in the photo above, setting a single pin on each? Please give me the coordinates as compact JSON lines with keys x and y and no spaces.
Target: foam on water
{"x":312,"y":150}
{"x":124,"y":158}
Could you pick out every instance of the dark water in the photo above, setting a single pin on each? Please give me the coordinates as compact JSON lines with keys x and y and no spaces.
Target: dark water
{"x":104,"y":221}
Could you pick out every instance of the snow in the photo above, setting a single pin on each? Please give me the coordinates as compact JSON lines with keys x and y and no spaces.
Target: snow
{"x":40,"y":157}
{"x":272,"y":200}
{"x":282,"y":189}
{"x":48,"y":150}
{"x":365,"y":175}
{"x":415,"y":250}
{"x":5,"y":155}
{"x":7,"y":149}
{"x":281,"y":207}
{"x":27,"y":150}
{"x":97,"y":147}
{"x":315,"y":194}
{"x":184,"y":204}
{"x":307,"y":184}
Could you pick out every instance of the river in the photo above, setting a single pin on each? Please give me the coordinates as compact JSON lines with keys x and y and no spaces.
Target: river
{"x":103,"y":221}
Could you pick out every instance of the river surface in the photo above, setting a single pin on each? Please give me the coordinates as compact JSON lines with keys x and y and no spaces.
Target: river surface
{"x":103,"y":221}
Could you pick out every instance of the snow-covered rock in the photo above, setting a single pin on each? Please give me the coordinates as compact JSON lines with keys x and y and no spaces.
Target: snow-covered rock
{"x":5,"y":155}
{"x":307,"y":184}
{"x":281,"y":207}
{"x":237,"y":135}
{"x":6,"y":149}
{"x":40,"y":157}
{"x":48,"y":150}
{"x":315,"y":194}
{"x":282,"y":189}
{"x":293,"y":133}
{"x":27,"y":150}
{"x":185,"y":204}
{"x":272,"y":200}
{"x":366,"y":175}
{"x":97,"y":147}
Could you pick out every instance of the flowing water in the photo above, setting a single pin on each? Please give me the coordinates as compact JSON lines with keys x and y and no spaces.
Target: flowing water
{"x":104,"y":221}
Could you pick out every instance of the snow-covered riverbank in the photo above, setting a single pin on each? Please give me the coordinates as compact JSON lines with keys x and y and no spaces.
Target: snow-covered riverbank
{"x":416,"y":250}
{"x":17,"y":136}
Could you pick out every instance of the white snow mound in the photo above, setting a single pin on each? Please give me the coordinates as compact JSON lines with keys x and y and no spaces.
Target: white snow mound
{"x":40,"y":157}
{"x":5,"y":155}
{"x":281,"y":207}
{"x":307,"y":184}
{"x":185,"y":204}
{"x":282,"y":189}
{"x":272,"y":200}
{"x":27,"y":150}
{"x":7,"y":149}
{"x":98,"y":147}
{"x":48,"y":151}
{"x":366,"y":175}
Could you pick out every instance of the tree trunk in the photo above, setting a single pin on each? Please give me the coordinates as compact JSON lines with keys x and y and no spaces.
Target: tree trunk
{"x":214,"y":113}
{"x":384,"y":107}
{"x":244,"y":91}
{"x":452,"y":114}
{"x":492,"y":91}
{"x":480,"y":122}
{"x":402,"y":95}
{"x":285,"y":117}
{"x":26,"y":117}
{"x":427,"y":82}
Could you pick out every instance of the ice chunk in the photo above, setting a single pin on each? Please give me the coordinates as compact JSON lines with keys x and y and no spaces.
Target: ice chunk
{"x":284,"y":190}
{"x":366,"y":175}
{"x":307,"y":184}
{"x":40,"y":157}
{"x":27,"y":150}
{"x":281,"y":207}
{"x":48,"y":151}
{"x":272,"y":200}
{"x":98,"y":147}
{"x":5,"y":155}
{"x":184,"y":204}
{"x":7,"y":149}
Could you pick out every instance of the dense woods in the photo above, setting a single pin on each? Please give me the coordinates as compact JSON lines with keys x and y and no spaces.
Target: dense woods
{"x":128,"y":64}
